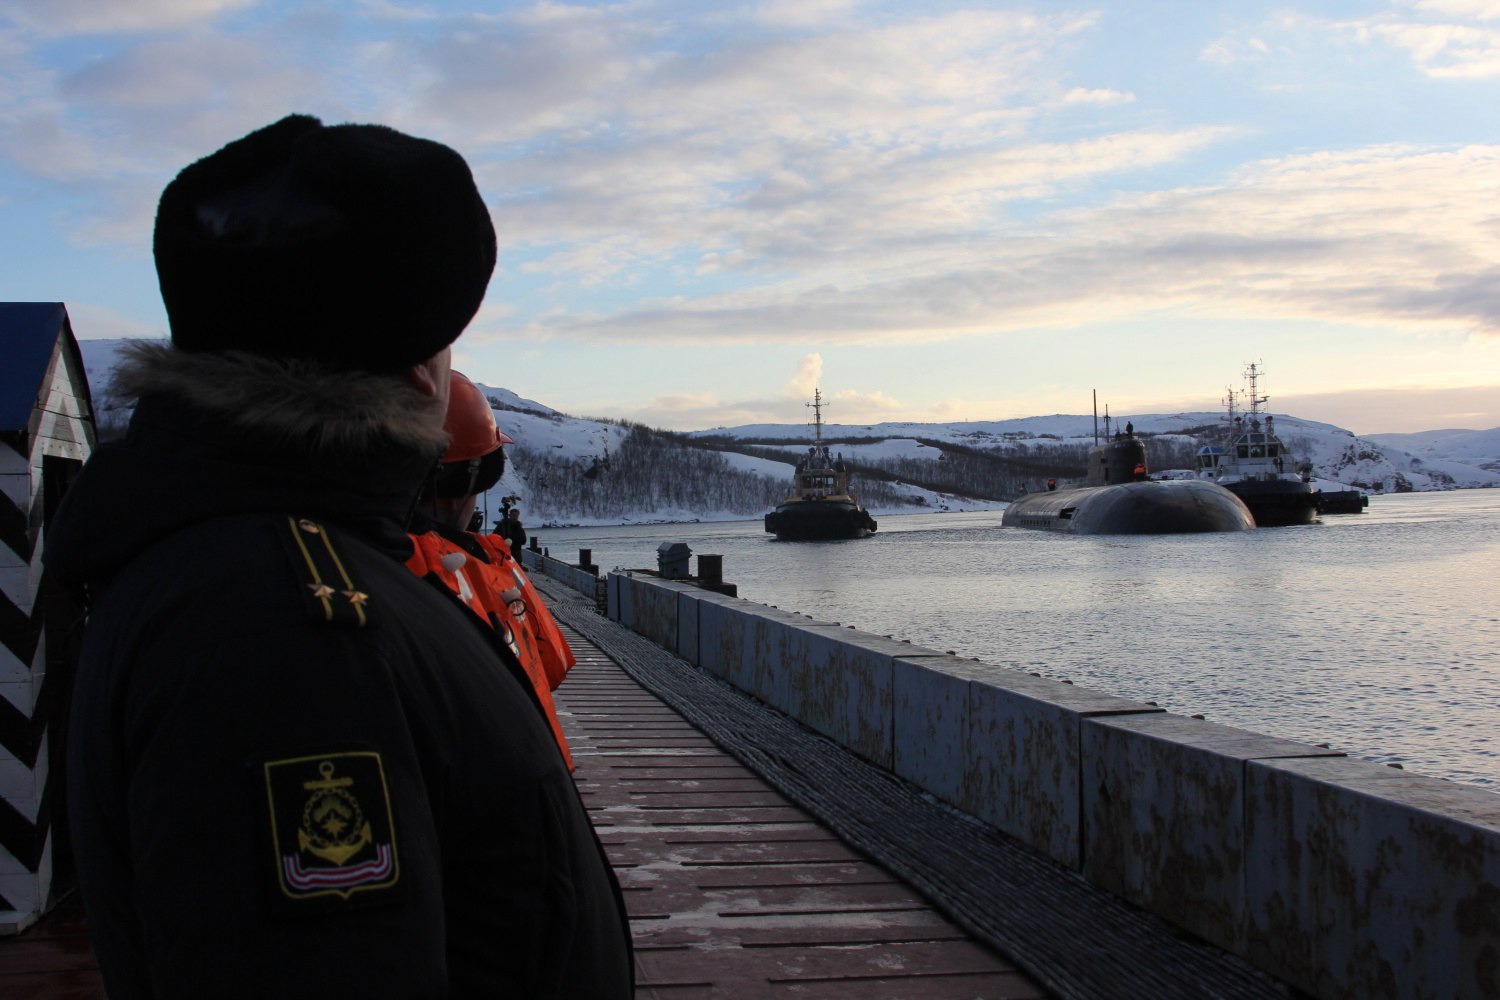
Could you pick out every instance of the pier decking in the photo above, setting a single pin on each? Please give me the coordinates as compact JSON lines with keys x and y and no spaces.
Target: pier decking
{"x":732,"y":890}
{"x":758,"y":860}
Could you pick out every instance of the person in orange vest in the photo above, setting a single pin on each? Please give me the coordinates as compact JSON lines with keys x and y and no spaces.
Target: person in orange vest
{"x":478,"y":569}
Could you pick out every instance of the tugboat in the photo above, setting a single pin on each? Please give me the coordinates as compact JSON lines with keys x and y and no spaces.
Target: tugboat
{"x":1253,"y":466}
{"x":820,"y":505}
{"x":1118,"y":498}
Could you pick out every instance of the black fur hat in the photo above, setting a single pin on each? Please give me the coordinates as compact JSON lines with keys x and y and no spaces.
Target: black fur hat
{"x":353,"y":245}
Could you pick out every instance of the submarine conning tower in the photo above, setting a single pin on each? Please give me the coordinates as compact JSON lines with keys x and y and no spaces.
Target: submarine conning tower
{"x":1121,"y":459}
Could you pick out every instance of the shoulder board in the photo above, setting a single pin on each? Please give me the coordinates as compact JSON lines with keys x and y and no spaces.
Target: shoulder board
{"x":329,"y":593}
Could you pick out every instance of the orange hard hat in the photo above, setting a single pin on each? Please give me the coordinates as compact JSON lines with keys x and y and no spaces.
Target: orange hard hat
{"x":470,"y":422}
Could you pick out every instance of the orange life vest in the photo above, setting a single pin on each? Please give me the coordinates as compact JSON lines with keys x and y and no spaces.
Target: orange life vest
{"x":557,"y":657}
{"x":501,"y":596}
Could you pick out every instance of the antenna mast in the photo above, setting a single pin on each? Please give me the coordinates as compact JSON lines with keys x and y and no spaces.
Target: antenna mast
{"x":1252,"y":376}
{"x":817,"y":408}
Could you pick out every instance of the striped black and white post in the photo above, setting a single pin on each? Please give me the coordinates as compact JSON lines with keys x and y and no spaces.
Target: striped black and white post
{"x":47,"y":431}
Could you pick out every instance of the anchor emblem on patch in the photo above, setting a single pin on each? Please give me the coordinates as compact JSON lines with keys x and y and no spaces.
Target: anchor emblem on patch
{"x":331,"y":825}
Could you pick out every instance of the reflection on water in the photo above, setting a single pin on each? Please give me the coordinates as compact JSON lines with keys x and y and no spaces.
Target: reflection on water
{"x":1376,"y":633}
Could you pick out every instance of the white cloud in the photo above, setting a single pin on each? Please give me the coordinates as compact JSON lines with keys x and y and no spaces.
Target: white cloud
{"x":1390,"y":236}
{"x":1478,"y":10}
{"x":804,"y":13}
{"x":819,"y":173}
{"x":807,"y":377}
{"x":1084,"y":95}
{"x":97,"y":322}
{"x":1447,"y":50}
{"x":1443,"y":38}
{"x":856,"y":406}
{"x":70,"y":17}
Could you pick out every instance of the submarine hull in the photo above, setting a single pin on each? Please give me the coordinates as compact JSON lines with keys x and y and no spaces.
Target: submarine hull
{"x":1168,"y":507}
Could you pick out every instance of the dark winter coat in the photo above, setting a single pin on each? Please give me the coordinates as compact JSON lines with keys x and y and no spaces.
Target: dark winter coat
{"x":295,"y":769}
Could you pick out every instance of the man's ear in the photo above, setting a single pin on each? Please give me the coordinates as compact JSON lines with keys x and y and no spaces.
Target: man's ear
{"x":420,"y":377}
{"x":431,"y":377}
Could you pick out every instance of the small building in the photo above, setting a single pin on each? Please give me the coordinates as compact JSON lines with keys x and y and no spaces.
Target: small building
{"x":47,"y":431}
{"x":672,"y":560}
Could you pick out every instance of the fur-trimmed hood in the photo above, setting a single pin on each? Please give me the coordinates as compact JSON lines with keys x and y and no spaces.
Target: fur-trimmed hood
{"x":298,"y":403}
{"x":222,"y":434}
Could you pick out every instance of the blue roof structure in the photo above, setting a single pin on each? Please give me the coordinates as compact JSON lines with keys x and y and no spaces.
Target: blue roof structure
{"x":29,"y":332}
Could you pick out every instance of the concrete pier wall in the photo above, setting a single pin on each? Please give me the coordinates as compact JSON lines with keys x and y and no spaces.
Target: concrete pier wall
{"x":1338,"y":876}
{"x":585,"y":581}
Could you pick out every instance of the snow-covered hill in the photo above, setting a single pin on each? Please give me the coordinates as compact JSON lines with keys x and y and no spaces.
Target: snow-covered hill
{"x":1436,"y":459}
{"x":558,"y":442}
{"x":1476,"y":448}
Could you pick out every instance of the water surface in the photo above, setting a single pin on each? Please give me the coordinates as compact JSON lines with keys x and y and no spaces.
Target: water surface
{"x":1376,"y":633}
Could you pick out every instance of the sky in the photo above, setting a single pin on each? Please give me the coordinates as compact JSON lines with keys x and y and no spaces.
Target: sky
{"x":928,"y":211}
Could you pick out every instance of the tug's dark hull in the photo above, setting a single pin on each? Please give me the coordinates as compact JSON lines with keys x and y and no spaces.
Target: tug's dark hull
{"x":1276,"y":503}
{"x":1168,"y":507}
{"x":819,"y":520}
{"x":1342,"y":502}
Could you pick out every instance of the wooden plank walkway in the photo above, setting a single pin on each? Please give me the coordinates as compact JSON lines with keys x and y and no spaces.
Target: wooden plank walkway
{"x":52,"y":959}
{"x":732,"y":890}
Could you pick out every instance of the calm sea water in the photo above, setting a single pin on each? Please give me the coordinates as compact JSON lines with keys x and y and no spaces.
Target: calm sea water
{"x":1376,"y":633}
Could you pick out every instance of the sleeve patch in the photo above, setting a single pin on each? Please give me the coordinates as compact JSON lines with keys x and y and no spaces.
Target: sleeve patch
{"x":331,"y":827}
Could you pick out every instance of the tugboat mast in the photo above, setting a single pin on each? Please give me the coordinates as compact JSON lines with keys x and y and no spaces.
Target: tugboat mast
{"x":1252,"y":375}
{"x":817,"y":408}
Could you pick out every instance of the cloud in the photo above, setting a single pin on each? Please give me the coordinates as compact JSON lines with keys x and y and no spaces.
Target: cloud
{"x":685,"y":402}
{"x":1478,"y":10}
{"x":809,"y":373}
{"x":855,"y":406}
{"x":96,"y":322}
{"x":819,"y":173}
{"x":110,"y":131}
{"x":1381,"y":409}
{"x":1083,"y":95}
{"x":1445,"y":39}
{"x":1388,"y":236}
{"x":77,"y":17}
{"x":1446,"y":50}
{"x":705,"y":409}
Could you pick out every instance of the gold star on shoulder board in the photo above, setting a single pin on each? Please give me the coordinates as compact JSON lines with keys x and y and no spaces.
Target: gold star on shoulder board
{"x":320,"y":590}
{"x":358,"y":597}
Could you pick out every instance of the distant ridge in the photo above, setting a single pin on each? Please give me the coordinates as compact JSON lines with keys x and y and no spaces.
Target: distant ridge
{"x":574,"y":470}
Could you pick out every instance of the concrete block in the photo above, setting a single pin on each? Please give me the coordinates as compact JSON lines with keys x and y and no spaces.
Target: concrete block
{"x":725,"y":627}
{"x":1164,"y":816}
{"x":835,"y":681}
{"x":625,"y":597}
{"x":1023,"y":767}
{"x":612,"y":596}
{"x":1364,"y":880}
{"x":653,"y":608}
{"x":930,"y":721}
{"x":689,"y":615}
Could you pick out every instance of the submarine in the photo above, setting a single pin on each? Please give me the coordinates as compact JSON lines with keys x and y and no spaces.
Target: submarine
{"x":1117,"y":499}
